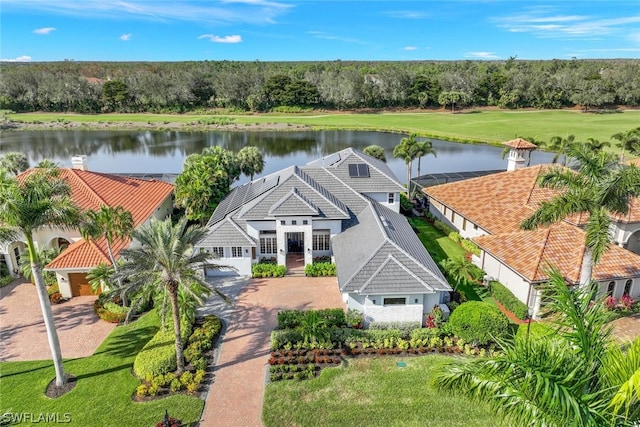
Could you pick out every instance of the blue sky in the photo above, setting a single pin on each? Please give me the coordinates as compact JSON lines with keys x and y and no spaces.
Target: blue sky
{"x":273,"y":30}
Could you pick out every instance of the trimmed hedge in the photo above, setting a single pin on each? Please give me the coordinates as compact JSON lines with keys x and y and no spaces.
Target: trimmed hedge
{"x":505,"y":297}
{"x":158,"y":356}
{"x":109,"y":311}
{"x":446,"y":230}
{"x":405,"y":327}
{"x":469,"y":246}
{"x":537,"y":330}
{"x":332,"y":317}
{"x":478,"y":322}
{"x":268,"y":270}
{"x":320,"y":269}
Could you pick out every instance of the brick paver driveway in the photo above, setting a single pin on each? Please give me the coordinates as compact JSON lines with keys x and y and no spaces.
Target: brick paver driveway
{"x":235,"y":397}
{"x":22,"y":332}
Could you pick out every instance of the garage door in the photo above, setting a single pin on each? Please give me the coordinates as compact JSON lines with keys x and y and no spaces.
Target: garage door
{"x":79,"y":285}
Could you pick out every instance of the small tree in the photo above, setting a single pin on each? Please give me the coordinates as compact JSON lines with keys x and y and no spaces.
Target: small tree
{"x":250,"y":161}
{"x":376,"y":152}
{"x":407,"y":150}
{"x":14,"y":162}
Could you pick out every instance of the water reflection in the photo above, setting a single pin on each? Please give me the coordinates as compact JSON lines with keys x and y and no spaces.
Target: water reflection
{"x":164,"y":151}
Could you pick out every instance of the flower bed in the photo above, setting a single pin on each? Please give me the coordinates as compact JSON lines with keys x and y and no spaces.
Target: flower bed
{"x":109,"y":311}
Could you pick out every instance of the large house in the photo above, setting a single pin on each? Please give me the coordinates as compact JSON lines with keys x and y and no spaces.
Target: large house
{"x":145,"y":199}
{"x":488,"y":210}
{"x":344,"y":206}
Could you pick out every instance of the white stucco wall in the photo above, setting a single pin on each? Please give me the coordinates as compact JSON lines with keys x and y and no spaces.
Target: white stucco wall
{"x":232,"y":265}
{"x":467,"y":229}
{"x":619,"y":287}
{"x":509,"y":278}
{"x":383,"y":199}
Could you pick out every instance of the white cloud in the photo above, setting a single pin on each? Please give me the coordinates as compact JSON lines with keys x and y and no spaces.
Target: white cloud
{"x":44,"y":30}
{"x":125,"y":37}
{"x":327,"y":36}
{"x":543,"y":22}
{"x":217,"y":39}
{"x":234,"y":11}
{"x":409,"y":48}
{"x":22,"y":58}
{"x":406,"y":14}
{"x":481,"y":55}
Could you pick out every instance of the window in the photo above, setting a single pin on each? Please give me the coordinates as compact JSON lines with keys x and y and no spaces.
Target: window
{"x":268,"y":245}
{"x":464,"y":224}
{"x":282,"y":222}
{"x":294,"y":222}
{"x":321,"y":242}
{"x":415,"y":301}
{"x":305,"y":222}
{"x":392,"y":198}
{"x":394,"y":301}
{"x":627,"y":287}
{"x":218,"y":251}
{"x":610,"y":288}
{"x":236,"y":252}
{"x":373,"y":301}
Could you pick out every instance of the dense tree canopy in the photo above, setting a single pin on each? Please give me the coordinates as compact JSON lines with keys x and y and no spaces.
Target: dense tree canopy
{"x":187,"y":86}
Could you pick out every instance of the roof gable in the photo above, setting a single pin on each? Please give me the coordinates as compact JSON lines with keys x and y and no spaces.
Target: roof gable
{"x":393,"y":276}
{"x":293,"y":203}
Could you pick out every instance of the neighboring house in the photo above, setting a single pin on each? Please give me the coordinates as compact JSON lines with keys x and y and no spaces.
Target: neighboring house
{"x":489,"y":210}
{"x":145,"y":199}
{"x":299,"y":213}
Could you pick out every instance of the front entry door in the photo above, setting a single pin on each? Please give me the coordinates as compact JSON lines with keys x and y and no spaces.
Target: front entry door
{"x":295,"y":242}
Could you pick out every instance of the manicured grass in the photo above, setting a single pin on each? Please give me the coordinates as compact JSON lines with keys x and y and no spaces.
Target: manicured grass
{"x":372,"y":392}
{"x":489,"y":126}
{"x":102,"y":395}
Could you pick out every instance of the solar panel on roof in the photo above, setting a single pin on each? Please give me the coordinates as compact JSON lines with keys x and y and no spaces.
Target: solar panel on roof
{"x":331,"y":159}
{"x":358,"y":170}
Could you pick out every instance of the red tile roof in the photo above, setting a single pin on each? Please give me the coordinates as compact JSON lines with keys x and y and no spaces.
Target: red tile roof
{"x":91,"y":190}
{"x":498,"y":203}
{"x":530,"y":253}
{"x":521,"y":144}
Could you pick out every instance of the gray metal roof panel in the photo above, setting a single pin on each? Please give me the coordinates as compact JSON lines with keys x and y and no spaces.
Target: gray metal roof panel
{"x":293,"y":203}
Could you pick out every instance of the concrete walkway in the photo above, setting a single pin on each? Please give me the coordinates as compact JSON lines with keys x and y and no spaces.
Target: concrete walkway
{"x":22,"y":332}
{"x":236,"y":395}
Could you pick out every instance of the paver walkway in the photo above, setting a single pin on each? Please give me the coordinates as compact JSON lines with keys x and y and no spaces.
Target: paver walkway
{"x":235,"y":397}
{"x":22,"y":332}
{"x":627,"y":329}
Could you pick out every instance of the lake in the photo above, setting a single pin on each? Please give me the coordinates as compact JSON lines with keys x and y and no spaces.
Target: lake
{"x":165,"y":151}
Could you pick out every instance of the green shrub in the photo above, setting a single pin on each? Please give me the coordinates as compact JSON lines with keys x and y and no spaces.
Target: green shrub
{"x":280,"y":338}
{"x":505,"y":297}
{"x":320,"y":269}
{"x":443,"y":227}
{"x":103,"y":308}
{"x":404,"y":327}
{"x":469,"y":246}
{"x":426,"y":333}
{"x":289,"y":319}
{"x":5,"y":280}
{"x":478,"y":322}
{"x":333,"y":317}
{"x":158,"y":356}
{"x":405,"y":204}
{"x":268,"y":270}
{"x":455,"y":236}
{"x":536,"y":330}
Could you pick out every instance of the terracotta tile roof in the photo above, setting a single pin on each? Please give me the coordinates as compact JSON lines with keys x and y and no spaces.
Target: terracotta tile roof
{"x":497,"y":203}
{"x":82,"y":254}
{"x":521,"y":144}
{"x":91,"y":190}
{"x":530,"y":253}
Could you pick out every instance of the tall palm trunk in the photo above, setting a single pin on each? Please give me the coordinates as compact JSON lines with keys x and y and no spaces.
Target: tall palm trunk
{"x":586,"y":270}
{"x":173,"y":297}
{"x":47,"y":313}
{"x":123,"y":294}
{"x":409,"y":167}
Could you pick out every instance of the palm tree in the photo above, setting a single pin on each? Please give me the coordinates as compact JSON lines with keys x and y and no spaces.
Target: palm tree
{"x":424,"y":149}
{"x":600,"y":187}
{"x":166,"y":260}
{"x":14,"y":162}
{"x":40,"y":200}
{"x":460,"y":269}
{"x":560,"y":145}
{"x":596,"y":145}
{"x":407,"y":150}
{"x":109,"y":223}
{"x":250,"y":161}
{"x":567,"y":378}
{"x":628,"y":141}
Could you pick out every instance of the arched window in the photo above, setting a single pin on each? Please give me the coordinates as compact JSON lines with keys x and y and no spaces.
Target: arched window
{"x":627,"y":287}
{"x":610,"y":288}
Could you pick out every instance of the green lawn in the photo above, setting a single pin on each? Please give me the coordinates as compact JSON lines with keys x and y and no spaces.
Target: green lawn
{"x":469,"y":126}
{"x":105,"y":385}
{"x":372,"y":392}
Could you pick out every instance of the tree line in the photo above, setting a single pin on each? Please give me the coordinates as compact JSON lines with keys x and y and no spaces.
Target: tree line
{"x":175,"y":87}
